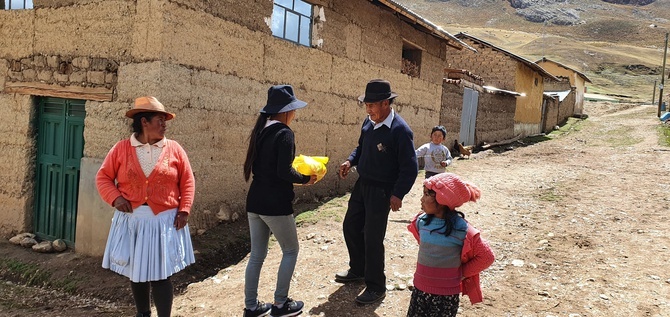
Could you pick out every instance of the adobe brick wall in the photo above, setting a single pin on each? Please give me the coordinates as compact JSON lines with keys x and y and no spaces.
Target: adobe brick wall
{"x":17,"y":140}
{"x":551,"y":112}
{"x":496,"y":68}
{"x":213,"y":70}
{"x":495,"y":115}
{"x":495,"y":118}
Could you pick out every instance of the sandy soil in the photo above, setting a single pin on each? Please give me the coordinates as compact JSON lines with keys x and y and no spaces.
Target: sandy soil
{"x":578,"y":223}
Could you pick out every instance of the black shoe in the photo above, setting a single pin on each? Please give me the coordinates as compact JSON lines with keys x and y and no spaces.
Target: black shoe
{"x":370,"y":297}
{"x":347,"y":276}
{"x":262,"y":309}
{"x":147,"y":314}
{"x":290,"y":308}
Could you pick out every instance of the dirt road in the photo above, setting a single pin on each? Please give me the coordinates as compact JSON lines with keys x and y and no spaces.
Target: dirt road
{"x":579,"y":225}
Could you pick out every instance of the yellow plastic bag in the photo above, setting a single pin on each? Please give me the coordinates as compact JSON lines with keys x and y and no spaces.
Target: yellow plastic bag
{"x":311,"y":165}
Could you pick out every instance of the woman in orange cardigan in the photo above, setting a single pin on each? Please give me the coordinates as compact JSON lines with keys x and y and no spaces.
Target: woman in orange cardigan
{"x":148,"y":179}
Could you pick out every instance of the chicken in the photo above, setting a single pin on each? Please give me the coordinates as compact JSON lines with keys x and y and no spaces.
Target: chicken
{"x":462,"y":149}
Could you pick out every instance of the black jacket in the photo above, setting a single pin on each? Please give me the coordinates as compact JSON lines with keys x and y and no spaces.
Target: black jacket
{"x":271,"y":192}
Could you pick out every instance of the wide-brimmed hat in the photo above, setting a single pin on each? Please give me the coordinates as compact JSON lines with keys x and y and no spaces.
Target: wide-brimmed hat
{"x":282,"y":99}
{"x":148,"y":104}
{"x":377,"y":90}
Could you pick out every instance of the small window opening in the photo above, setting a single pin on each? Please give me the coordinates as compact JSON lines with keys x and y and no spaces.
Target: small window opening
{"x":292,"y":21}
{"x":411,"y":59}
{"x":16,"y":4}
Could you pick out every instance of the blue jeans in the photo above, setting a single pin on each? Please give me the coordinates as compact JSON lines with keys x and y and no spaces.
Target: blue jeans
{"x":260,"y":227}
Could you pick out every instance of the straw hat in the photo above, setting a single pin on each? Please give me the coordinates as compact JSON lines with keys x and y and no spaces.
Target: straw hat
{"x":149,"y":104}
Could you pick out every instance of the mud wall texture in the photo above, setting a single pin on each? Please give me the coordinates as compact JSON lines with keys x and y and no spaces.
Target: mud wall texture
{"x":495,"y":118}
{"x":495,"y":114}
{"x":212,"y":66}
{"x":496,"y":68}
{"x":17,"y":148}
{"x":530,"y":83}
{"x":551,"y":113}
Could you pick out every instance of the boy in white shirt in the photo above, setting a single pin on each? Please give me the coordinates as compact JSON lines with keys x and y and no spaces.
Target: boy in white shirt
{"x":436,"y":156}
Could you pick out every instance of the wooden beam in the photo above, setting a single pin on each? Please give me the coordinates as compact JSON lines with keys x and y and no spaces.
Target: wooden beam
{"x":70,"y":92}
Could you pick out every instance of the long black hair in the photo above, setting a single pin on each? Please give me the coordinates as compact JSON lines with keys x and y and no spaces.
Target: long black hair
{"x":251,"y":151}
{"x":448,"y":216}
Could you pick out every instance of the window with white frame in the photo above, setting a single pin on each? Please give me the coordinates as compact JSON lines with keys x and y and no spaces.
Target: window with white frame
{"x":292,"y":21}
{"x":16,"y":4}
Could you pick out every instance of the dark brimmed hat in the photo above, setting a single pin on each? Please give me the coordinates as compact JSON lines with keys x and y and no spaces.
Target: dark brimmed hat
{"x":148,"y":104}
{"x":377,"y":90}
{"x":282,"y":99}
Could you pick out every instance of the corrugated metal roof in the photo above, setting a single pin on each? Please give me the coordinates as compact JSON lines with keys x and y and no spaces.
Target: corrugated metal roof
{"x":523,"y":60}
{"x":419,"y":20}
{"x":544,"y":59}
{"x":494,"y":90}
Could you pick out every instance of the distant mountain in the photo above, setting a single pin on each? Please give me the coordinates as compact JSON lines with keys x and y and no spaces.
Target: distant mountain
{"x":617,"y":43}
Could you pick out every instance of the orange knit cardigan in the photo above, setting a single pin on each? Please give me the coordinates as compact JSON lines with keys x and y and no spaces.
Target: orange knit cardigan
{"x":171,"y":184}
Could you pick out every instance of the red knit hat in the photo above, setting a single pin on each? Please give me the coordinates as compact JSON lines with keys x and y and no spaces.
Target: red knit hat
{"x":451,"y":191}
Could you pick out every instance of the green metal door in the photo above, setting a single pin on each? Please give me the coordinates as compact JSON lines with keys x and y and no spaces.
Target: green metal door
{"x":60,"y":146}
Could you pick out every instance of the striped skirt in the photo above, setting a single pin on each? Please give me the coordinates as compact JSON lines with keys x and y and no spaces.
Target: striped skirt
{"x":146,"y":247}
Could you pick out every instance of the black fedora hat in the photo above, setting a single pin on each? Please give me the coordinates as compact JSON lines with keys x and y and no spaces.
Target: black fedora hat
{"x":377,"y":90}
{"x":282,"y":99}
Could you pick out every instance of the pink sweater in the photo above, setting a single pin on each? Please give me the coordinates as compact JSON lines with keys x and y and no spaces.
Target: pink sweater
{"x":170,"y":185}
{"x":476,"y":256}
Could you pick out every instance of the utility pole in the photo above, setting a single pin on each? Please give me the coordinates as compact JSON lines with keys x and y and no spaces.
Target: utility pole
{"x":660,"y":87}
{"x":653,"y":96}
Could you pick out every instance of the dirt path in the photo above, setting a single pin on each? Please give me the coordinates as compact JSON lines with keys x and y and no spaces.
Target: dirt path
{"x":579,"y":225}
{"x":586,"y":213}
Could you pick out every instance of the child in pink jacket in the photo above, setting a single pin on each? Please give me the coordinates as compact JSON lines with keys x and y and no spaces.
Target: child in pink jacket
{"x":451,"y":251}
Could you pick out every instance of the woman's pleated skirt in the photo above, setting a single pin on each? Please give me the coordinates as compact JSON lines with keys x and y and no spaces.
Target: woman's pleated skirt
{"x":146,"y":247}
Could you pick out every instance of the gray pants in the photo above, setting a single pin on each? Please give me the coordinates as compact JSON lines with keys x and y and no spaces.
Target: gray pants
{"x":260,"y":227}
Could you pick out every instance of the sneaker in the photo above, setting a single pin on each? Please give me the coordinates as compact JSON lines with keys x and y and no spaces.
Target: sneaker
{"x":347,"y":276}
{"x":262,"y":309}
{"x":370,"y":297}
{"x":290,"y":308}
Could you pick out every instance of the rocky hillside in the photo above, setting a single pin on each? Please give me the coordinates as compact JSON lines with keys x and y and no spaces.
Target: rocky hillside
{"x":617,"y":43}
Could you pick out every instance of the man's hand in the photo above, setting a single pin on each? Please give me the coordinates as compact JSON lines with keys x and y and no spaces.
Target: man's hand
{"x":344,"y":169}
{"x":122,"y":205}
{"x":443,"y":163}
{"x":396,"y":203}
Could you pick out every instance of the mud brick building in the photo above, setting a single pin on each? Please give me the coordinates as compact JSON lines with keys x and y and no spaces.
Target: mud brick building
{"x":69,"y":69}
{"x":504,"y":70}
{"x":577,"y":80}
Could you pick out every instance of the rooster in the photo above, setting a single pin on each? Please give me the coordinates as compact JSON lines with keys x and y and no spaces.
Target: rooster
{"x":462,"y":149}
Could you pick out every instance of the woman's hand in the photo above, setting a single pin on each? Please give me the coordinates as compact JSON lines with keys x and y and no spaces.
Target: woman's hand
{"x":122,"y":205}
{"x":180,"y":220}
{"x":312,"y":180}
{"x":443,"y":163}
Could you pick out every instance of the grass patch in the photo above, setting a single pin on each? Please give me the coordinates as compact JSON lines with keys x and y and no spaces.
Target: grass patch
{"x":571,"y":125}
{"x":333,"y":209}
{"x":550,"y":194}
{"x":663,"y":135}
{"x":31,"y":274}
{"x":620,"y":137}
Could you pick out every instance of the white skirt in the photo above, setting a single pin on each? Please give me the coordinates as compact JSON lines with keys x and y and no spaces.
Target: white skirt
{"x":146,"y":247}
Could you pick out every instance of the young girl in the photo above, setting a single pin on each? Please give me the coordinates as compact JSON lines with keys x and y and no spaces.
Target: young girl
{"x":270,"y":201}
{"x":436,"y":157}
{"x":451,"y":251}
